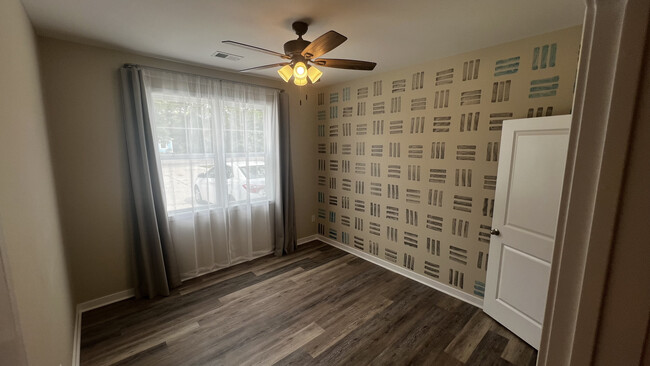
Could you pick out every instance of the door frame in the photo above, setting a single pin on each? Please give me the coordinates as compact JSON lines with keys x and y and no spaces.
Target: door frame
{"x":606,"y":98}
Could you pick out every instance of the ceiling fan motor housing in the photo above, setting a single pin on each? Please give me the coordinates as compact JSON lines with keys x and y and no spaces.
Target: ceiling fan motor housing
{"x":294,"y":48}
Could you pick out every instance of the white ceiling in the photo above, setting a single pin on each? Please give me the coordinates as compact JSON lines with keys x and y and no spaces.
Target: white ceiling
{"x":393,"y":33}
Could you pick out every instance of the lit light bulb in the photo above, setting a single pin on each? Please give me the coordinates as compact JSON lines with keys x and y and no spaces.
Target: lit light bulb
{"x":300,"y":70}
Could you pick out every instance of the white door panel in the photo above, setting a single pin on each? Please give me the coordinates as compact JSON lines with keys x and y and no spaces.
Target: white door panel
{"x":519,"y":268}
{"x":527,"y":200}
{"x":536,"y":154}
{"x":534,"y":244}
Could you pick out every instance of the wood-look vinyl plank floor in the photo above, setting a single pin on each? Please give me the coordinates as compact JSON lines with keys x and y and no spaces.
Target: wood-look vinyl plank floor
{"x":318,"y":306}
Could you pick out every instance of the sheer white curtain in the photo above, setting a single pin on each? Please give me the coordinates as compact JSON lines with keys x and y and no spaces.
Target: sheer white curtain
{"x":217,"y":148}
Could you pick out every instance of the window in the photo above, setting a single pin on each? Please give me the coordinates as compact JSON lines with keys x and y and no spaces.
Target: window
{"x":213,"y":152}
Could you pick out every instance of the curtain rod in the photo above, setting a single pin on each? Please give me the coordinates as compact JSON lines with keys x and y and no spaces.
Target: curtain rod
{"x":199,"y":75}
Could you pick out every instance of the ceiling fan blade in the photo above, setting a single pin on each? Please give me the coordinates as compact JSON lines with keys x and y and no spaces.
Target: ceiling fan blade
{"x":323,"y":44}
{"x":265,"y":67}
{"x":345,"y":64}
{"x":258,"y":49}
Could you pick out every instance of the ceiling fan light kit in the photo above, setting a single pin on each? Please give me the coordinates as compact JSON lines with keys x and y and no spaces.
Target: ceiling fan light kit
{"x":286,"y":72}
{"x":300,"y":73}
{"x":300,"y":82}
{"x":314,"y":74}
{"x":301,"y":53}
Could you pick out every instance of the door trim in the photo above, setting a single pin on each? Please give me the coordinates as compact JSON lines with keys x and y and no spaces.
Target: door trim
{"x":613,"y":44}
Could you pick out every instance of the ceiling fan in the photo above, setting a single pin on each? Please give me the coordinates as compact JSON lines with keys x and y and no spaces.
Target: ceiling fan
{"x":301,"y":53}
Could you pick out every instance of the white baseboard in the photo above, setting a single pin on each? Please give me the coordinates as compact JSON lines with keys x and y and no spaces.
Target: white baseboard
{"x":473,"y":300}
{"x":90,"y":305}
{"x":106,"y":300}
{"x":307,"y":239}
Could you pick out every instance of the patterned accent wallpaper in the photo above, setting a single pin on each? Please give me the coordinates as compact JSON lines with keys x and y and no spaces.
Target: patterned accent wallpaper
{"x":407,"y":160}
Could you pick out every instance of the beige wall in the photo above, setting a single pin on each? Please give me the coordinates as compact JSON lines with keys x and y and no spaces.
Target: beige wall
{"x":83,"y":105}
{"x":28,"y":206}
{"x":402,"y":174}
{"x":303,"y":140}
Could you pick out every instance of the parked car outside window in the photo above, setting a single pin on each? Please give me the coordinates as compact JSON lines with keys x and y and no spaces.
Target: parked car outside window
{"x":244,"y":179}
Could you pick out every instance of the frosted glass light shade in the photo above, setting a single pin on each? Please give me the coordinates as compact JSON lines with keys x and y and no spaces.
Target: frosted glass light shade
{"x":300,"y":70}
{"x":300,"y":82}
{"x":314,"y":74}
{"x":286,"y":72}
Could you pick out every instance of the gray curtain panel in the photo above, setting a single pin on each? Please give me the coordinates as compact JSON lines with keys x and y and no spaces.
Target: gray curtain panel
{"x":285,"y":223}
{"x":155,"y":260}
